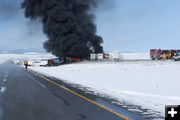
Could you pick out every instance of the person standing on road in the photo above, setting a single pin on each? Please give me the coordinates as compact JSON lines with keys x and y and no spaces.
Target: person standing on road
{"x":26,"y":64}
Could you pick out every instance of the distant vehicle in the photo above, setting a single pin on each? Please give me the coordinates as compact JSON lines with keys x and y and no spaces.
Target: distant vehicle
{"x":174,"y":52}
{"x":41,"y":63}
{"x":98,"y":56}
{"x":165,"y":54}
{"x":55,"y":62}
{"x":158,"y":54}
{"x":31,"y":62}
{"x":154,"y":54}
{"x":176,"y":57}
{"x":105,"y":56}
{"x":61,"y":60}
{"x":72,"y":60}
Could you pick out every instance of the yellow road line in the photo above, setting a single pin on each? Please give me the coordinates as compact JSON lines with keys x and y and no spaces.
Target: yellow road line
{"x":83,"y":97}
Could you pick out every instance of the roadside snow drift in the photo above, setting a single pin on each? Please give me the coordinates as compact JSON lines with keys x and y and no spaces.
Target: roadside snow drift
{"x":150,"y":84}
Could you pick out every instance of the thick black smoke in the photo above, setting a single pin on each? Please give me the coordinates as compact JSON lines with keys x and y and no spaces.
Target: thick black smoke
{"x":68,"y":25}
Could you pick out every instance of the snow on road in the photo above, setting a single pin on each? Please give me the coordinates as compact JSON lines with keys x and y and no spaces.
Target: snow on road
{"x":149,"y":84}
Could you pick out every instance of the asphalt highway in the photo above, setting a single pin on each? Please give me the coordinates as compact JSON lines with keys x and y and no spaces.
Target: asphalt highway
{"x":26,"y":95}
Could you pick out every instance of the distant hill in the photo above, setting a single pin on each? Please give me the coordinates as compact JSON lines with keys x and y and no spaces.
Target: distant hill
{"x":20,"y":51}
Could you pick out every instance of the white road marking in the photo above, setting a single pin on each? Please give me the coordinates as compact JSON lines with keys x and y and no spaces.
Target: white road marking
{"x":2,"y":89}
{"x":36,"y":81}
{"x":5,"y":76}
{"x":5,"y":80}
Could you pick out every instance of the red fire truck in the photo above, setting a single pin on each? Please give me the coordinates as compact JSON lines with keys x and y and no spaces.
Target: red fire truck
{"x":158,"y":54}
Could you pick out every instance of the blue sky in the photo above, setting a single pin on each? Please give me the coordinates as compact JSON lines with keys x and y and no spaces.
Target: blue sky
{"x":125,"y":25}
{"x":17,"y":31}
{"x":139,"y":25}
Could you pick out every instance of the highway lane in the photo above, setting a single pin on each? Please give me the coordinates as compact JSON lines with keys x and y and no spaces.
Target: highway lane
{"x":30,"y":96}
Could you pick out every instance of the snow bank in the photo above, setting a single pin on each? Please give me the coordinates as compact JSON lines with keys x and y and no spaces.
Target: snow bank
{"x":150,"y":84}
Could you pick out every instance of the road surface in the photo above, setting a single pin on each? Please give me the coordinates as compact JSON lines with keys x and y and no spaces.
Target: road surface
{"x":29,"y":96}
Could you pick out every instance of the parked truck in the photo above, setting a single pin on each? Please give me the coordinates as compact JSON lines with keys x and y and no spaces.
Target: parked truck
{"x":159,"y":54}
{"x":176,"y":57}
{"x":98,"y":56}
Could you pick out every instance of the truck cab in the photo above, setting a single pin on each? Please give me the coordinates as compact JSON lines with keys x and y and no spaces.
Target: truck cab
{"x":155,"y":53}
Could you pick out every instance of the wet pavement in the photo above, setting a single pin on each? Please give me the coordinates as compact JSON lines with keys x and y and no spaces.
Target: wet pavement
{"x":25,"y":96}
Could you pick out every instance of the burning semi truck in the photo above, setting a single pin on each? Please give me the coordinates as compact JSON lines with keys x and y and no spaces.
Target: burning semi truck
{"x":62,"y":60}
{"x":159,"y":54}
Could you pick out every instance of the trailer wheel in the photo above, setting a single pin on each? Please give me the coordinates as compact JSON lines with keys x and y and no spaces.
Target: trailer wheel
{"x":158,"y":58}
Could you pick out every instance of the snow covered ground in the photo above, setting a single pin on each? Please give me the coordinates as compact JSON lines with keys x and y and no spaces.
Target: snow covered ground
{"x":149,"y":84}
{"x":136,"y":82}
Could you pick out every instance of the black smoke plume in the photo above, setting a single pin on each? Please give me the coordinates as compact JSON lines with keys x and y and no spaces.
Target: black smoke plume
{"x":68,"y":24}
